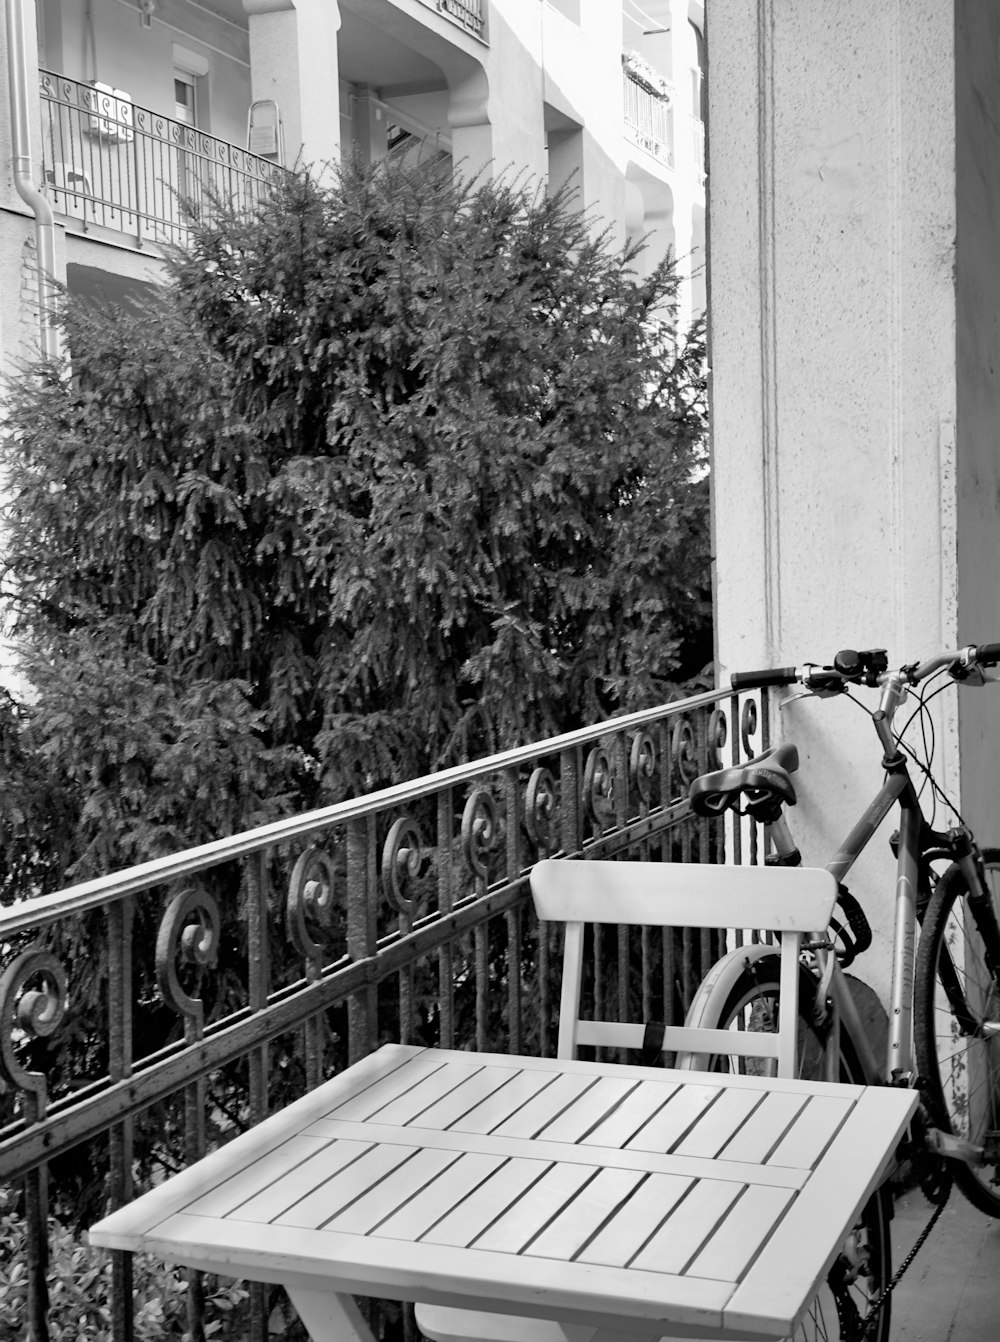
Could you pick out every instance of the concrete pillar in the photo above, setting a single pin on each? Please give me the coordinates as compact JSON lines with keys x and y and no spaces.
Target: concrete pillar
{"x":856,"y":376}
{"x":293,"y":60}
{"x":370,"y":126}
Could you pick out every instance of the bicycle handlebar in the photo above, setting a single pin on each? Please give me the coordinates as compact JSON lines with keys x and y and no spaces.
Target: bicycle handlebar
{"x":752,"y":680}
{"x":852,"y":668}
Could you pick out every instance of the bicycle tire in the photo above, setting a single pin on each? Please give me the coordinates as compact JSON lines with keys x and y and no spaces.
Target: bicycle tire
{"x":947,"y":1056}
{"x":753,"y":1003}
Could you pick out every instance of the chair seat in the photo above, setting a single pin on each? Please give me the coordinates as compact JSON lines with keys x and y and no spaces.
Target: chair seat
{"x":443,"y":1324}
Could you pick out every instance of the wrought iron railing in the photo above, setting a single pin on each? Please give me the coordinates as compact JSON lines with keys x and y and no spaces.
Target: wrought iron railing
{"x":649,"y":118}
{"x":109,"y":162}
{"x":469,"y":14}
{"x":152,"y":1013}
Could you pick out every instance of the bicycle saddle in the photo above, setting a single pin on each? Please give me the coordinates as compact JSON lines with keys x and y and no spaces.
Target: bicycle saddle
{"x":764,"y":781}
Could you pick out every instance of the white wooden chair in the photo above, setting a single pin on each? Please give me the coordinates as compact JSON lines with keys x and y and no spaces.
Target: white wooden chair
{"x":792,"y":901}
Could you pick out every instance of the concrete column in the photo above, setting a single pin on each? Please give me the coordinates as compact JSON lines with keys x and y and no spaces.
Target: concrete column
{"x":293,"y":59}
{"x":370,"y":126}
{"x":855,"y":355}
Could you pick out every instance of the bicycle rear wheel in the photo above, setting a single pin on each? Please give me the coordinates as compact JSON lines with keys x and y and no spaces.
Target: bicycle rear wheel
{"x":862,"y":1271}
{"x":955,"y":998}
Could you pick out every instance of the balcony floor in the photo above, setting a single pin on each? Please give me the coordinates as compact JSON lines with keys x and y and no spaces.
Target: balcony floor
{"x":951,"y":1291}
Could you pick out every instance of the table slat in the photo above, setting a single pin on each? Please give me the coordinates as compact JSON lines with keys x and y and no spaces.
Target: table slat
{"x":720,"y":1123}
{"x":597,"y":1103}
{"x":670,"y":1123}
{"x":626,"y":1119}
{"x":465,"y":1097}
{"x":532,"y":1118}
{"x":456,"y":1182}
{"x":498,"y":1107}
{"x":348,"y":1184}
{"x":688,"y":1226}
{"x":581,"y":1218}
{"x":263,"y":1190}
{"x":429,"y":1090}
{"x":625,"y":1234}
{"x":383,"y":1088}
{"x":765,"y":1128}
{"x":522,"y":1221}
{"x":812,"y":1132}
{"x":483,"y":1204}
{"x":379,"y":1203}
{"x":739,"y":1238}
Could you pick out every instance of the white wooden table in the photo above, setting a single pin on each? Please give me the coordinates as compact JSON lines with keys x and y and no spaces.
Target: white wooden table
{"x":633,"y":1199}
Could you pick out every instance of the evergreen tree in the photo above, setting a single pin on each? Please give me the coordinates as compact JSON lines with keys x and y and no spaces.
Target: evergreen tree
{"x":394,"y":473}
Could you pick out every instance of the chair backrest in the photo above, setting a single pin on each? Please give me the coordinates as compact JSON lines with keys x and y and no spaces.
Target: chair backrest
{"x":792,"y":901}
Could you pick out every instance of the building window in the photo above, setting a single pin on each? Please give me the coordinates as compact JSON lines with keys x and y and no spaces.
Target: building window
{"x":185,"y":98}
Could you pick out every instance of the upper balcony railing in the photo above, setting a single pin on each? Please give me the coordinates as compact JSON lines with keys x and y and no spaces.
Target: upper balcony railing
{"x":153,"y":1013}
{"x":649,"y":117}
{"x":470,"y":14}
{"x":109,"y":162}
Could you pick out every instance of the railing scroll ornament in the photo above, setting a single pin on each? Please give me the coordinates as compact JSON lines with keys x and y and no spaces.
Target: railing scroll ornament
{"x":642,"y":765}
{"x":35,"y":1011}
{"x":718,"y":735}
{"x":540,"y":808}
{"x":599,"y":787}
{"x":684,"y":751}
{"x":479,"y":831}
{"x":402,"y":857}
{"x":310,"y":899}
{"x":748,"y":726}
{"x":189,"y":934}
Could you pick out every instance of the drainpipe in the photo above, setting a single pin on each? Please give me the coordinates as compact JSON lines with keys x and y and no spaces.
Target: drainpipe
{"x":45,"y":229}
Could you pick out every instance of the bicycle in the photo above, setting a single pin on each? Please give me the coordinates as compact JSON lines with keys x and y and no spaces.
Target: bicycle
{"x":945,"y":994}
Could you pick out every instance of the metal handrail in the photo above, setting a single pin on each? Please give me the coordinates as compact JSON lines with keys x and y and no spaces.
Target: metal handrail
{"x":39,"y":911}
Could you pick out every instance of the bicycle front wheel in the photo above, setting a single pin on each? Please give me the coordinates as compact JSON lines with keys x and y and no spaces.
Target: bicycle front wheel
{"x":862,"y":1270}
{"x":956,"y":1011}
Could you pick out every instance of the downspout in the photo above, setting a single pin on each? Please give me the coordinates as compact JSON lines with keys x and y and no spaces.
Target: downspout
{"x":45,"y":229}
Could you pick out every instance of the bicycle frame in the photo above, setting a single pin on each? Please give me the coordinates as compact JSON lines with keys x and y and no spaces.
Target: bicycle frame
{"x":917,"y":846}
{"x":897,"y":789}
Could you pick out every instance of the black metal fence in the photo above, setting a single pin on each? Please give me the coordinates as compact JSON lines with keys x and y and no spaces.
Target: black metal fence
{"x":154,"y":1013}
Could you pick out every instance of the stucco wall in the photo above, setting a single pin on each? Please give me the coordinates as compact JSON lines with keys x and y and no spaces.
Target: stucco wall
{"x":833,"y":357}
{"x":978,"y":362}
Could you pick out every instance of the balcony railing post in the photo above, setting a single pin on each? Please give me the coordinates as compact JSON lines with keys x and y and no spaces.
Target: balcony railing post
{"x":512,"y":857}
{"x":258,"y":978}
{"x":120,"y":999}
{"x":444,"y":828}
{"x":361,"y":932}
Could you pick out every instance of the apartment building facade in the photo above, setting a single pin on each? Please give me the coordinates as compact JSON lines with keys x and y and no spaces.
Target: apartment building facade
{"x":118,"y":109}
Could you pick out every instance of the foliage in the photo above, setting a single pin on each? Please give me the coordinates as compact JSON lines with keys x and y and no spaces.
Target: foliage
{"x":80,"y":1307}
{"x":396,"y":472}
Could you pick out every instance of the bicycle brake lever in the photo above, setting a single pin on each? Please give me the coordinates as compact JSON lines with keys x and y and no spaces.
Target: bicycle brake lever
{"x":809,"y":694}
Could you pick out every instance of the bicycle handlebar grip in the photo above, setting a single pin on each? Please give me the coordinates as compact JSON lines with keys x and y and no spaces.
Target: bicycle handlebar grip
{"x":988,"y":654}
{"x":753,"y":680}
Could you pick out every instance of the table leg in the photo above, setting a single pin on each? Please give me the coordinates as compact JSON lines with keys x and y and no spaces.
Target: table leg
{"x":330,"y":1317}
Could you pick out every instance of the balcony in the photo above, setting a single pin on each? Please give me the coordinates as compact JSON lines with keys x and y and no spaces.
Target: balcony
{"x":112,"y":164}
{"x":284,"y":954}
{"x":649,"y":116}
